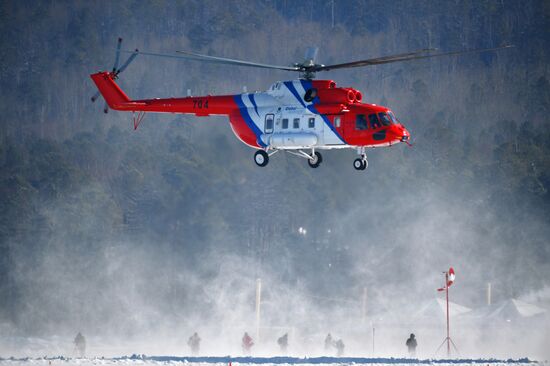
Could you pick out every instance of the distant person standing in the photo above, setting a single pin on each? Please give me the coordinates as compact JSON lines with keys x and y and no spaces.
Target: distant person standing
{"x":411,"y":345}
{"x":247,"y":343}
{"x":339,"y":348}
{"x":329,"y":342}
{"x":80,"y":345}
{"x":194,"y":342}
{"x":283,"y":342}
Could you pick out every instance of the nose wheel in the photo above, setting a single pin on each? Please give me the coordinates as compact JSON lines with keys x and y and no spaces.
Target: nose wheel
{"x":361,"y":163}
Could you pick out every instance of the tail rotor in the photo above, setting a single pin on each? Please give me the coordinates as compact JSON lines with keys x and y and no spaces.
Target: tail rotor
{"x":117,"y":57}
{"x":117,"y":70}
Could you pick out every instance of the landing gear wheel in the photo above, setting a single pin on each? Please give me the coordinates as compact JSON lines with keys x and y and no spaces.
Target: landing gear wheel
{"x":316,"y":161}
{"x":261,"y":158}
{"x":360,"y":164}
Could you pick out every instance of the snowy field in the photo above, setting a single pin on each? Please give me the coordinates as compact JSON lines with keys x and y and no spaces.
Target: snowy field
{"x":274,"y":361}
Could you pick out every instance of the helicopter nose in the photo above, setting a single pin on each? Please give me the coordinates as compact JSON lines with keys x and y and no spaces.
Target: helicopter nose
{"x":405,"y":135}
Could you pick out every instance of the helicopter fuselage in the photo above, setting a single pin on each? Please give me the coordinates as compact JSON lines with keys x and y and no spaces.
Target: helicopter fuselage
{"x":286,"y":117}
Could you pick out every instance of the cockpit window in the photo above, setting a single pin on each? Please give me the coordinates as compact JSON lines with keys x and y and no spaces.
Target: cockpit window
{"x":393,"y":118}
{"x":384,"y":119}
{"x":361,"y":122}
{"x":373,"y":120}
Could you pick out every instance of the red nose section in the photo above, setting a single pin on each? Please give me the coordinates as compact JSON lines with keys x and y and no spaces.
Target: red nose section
{"x":400,"y":133}
{"x":406,"y":135}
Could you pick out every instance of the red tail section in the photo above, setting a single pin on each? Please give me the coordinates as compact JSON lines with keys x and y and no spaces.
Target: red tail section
{"x":200,"y":106}
{"x":113,"y":95}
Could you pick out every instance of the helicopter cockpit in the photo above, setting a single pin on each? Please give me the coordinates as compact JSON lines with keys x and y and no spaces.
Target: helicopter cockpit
{"x":375,"y":120}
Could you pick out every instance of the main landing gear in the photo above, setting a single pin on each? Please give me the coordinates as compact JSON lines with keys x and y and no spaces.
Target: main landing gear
{"x":261,"y":157}
{"x":315,"y":160}
{"x":361,"y":163}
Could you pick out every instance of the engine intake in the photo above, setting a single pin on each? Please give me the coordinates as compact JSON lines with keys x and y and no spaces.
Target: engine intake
{"x":337,"y":95}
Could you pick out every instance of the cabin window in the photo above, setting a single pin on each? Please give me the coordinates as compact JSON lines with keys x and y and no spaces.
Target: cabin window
{"x":311,"y":122}
{"x":360,"y":122}
{"x":373,"y":120}
{"x":269,"y":123}
{"x":296,"y":123}
{"x":285,"y":123}
{"x":384,"y":119}
{"x":337,"y":121}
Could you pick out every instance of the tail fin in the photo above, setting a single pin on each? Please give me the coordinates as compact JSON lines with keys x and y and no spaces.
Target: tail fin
{"x":111,"y":92}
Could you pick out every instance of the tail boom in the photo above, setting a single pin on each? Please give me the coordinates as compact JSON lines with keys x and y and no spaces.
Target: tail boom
{"x":200,"y":106}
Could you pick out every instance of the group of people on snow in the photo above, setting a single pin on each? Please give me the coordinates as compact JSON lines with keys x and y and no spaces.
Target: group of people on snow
{"x":247,"y":343}
{"x":330,"y":344}
{"x":194,"y":343}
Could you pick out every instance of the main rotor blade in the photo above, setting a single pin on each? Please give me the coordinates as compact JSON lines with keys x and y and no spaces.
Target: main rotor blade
{"x":417,"y":55}
{"x":376,"y":61}
{"x":218,"y":60}
{"x":230,"y":61}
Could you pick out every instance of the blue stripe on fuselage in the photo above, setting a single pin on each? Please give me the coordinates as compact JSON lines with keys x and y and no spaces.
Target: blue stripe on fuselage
{"x":293,"y":90}
{"x":244,"y":113}
{"x":253,"y":101}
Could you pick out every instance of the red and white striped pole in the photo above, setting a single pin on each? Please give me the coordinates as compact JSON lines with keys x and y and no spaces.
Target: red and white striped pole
{"x":449,"y":279}
{"x":447,"y":295}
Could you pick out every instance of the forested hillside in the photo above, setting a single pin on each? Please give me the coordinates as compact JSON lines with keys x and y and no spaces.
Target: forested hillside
{"x":176,"y":215}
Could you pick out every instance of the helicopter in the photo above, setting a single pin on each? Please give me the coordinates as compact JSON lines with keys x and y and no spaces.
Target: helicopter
{"x":300,"y":117}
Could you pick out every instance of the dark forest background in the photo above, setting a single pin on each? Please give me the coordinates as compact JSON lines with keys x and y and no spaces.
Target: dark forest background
{"x":90,"y":209}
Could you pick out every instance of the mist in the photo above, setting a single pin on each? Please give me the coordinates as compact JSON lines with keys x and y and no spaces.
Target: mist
{"x":140,"y":238}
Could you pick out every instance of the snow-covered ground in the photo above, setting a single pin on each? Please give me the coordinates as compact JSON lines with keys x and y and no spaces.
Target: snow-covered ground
{"x":274,"y":361}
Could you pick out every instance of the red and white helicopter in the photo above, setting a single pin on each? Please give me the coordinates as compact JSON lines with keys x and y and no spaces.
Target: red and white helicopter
{"x":300,"y":116}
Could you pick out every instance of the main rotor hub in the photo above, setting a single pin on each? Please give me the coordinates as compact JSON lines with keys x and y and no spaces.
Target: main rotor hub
{"x":307,"y":69}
